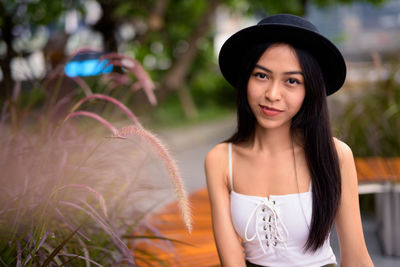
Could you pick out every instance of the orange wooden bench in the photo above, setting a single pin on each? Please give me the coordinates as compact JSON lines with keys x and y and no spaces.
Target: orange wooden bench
{"x":375,"y":175}
{"x":199,"y":249}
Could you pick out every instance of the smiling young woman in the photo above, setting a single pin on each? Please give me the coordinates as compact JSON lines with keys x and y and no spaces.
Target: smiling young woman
{"x":275,"y":90}
{"x":282,"y":180}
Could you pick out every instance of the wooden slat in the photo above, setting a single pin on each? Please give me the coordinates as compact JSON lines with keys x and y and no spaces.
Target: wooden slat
{"x":394,"y":165}
{"x":376,"y":169}
{"x":202,"y":250}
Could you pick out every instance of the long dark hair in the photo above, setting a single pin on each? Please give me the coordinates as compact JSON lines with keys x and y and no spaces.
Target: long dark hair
{"x":312,"y":122}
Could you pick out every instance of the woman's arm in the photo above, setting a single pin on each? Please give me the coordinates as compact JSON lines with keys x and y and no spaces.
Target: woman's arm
{"x":353,"y":250}
{"x":216,"y":165}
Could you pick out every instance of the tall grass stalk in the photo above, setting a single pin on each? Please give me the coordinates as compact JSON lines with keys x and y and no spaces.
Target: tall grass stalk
{"x":112,"y":100}
{"x":94,"y":116}
{"x":134,"y":67}
{"x":169,"y":163}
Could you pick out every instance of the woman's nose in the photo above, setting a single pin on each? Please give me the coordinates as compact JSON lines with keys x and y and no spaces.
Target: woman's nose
{"x":273,"y":92}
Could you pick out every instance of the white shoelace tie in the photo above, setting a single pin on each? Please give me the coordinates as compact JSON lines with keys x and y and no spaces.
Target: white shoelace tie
{"x":276,"y":233}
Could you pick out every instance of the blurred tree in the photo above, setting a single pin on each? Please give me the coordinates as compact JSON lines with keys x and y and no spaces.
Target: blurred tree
{"x":20,"y":19}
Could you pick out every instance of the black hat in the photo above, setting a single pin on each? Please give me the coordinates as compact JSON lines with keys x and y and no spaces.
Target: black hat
{"x":290,"y":29}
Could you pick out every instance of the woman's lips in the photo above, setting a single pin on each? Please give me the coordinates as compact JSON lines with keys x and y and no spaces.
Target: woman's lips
{"x":270,"y":111}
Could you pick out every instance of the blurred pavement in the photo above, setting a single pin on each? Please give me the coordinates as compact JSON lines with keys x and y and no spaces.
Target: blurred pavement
{"x":189,"y":145}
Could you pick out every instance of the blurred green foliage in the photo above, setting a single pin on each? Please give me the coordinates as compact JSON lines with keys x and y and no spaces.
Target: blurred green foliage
{"x":170,"y":114}
{"x":31,"y":13}
{"x":164,"y":29}
{"x":370,"y":121}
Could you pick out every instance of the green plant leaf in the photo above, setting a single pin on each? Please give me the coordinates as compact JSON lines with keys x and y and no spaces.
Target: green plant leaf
{"x":58,"y":248}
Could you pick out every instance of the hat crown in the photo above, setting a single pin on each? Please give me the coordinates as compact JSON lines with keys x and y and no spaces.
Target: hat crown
{"x":289,"y":20}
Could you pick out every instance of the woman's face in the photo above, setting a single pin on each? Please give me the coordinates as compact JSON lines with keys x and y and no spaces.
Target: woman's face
{"x":275,"y":90}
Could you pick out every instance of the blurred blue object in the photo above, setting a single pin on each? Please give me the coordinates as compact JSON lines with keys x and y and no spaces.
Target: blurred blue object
{"x":87,"y":64}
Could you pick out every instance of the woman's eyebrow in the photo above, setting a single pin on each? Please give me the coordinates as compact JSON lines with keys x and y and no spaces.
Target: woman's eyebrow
{"x":285,"y":73}
{"x":293,"y":72}
{"x":263,"y":68}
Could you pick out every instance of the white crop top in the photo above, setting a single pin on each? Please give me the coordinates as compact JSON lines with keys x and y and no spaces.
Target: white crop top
{"x":275,"y":230}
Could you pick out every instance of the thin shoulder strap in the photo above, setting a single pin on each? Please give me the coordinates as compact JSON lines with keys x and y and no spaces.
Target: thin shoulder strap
{"x":230,"y":165}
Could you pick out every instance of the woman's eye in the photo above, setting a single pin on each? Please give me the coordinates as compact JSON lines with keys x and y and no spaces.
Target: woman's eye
{"x":261,"y":75}
{"x":293,"y":81}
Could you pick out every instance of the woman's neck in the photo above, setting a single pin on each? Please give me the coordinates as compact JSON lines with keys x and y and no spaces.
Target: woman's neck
{"x":271,"y":140}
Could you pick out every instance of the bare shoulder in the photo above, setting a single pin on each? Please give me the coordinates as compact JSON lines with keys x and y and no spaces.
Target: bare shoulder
{"x":217,"y":157}
{"x":217,"y":154}
{"x":347,"y":166}
{"x":216,"y":164}
{"x":217,"y":170}
{"x":344,"y":152}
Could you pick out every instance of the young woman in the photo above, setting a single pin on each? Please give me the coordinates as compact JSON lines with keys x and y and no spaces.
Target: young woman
{"x":280,"y":182}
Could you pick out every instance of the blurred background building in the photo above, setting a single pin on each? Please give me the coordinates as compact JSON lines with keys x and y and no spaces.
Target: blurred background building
{"x":360,"y":29}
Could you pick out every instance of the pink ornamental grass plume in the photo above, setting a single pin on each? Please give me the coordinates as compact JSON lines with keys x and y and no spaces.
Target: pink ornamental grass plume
{"x":86,"y":89}
{"x":98,"y":196}
{"x":170,"y":164}
{"x":132,"y":65}
{"x":168,"y":160}
{"x":115,"y":79}
{"x":112,"y":100}
{"x":38,"y":212}
{"x":94,"y":116}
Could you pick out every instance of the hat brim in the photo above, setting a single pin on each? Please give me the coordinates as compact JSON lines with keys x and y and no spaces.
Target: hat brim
{"x":330,"y":59}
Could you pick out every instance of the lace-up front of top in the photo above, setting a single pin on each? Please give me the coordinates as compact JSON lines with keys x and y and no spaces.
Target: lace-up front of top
{"x":274,"y":230}
{"x":266,"y":216}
